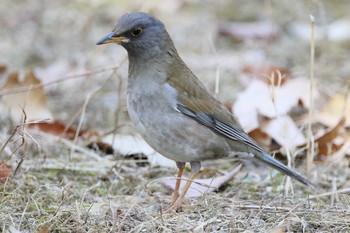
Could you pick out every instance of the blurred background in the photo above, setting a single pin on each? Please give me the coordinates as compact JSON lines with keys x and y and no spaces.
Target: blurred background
{"x":215,"y":38}
{"x":227,"y":44}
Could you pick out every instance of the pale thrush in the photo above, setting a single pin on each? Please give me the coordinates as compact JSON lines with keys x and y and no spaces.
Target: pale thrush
{"x":171,"y":108}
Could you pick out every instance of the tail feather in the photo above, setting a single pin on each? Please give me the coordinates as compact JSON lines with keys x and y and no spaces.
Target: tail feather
{"x":270,"y":161}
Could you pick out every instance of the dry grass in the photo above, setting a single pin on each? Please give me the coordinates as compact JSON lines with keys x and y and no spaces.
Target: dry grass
{"x":60,"y":186}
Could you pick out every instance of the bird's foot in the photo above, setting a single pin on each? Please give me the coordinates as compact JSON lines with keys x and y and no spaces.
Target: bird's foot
{"x":176,"y":207}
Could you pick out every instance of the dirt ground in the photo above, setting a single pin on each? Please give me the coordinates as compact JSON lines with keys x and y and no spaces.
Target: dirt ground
{"x":61,"y":186}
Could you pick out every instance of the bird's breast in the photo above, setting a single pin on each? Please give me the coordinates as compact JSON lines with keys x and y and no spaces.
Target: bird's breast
{"x":152,"y":108}
{"x":147,"y":101}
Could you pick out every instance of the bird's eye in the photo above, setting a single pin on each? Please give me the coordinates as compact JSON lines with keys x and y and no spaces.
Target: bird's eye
{"x":136,"y":32}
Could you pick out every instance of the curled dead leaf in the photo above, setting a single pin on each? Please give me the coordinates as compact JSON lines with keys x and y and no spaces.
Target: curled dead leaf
{"x":58,"y":128}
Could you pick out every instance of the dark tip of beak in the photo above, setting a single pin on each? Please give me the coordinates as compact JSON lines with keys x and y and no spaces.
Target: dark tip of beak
{"x":105,"y":39}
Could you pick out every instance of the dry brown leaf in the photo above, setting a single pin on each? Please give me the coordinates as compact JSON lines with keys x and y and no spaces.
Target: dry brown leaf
{"x":33,"y":101}
{"x":260,"y":137}
{"x":331,"y":133}
{"x":340,"y":156}
{"x":56,"y":127}
{"x":3,"y":68}
{"x":202,"y":186}
{"x":249,"y":30}
{"x":5,"y":171}
{"x":326,"y":144}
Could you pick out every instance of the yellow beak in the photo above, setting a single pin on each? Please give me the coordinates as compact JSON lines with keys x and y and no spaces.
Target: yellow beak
{"x":111,"y":38}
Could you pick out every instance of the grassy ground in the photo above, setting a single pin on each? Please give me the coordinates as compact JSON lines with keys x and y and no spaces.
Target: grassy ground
{"x":58,"y":187}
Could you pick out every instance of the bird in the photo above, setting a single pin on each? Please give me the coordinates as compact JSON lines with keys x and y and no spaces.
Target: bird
{"x":171,"y":108}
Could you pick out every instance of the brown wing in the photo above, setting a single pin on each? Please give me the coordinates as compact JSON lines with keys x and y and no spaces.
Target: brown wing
{"x":196,"y":102}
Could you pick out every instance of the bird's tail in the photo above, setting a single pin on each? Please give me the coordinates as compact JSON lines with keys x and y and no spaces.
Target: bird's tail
{"x":270,"y":161}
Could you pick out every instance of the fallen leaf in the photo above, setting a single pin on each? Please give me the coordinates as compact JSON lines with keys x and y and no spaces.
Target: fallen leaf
{"x":270,"y":101}
{"x":32,"y":101}
{"x":3,"y":68}
{"x":134,"y":144}
{"x":261,"y":137}
{"x":5,"y":171}
{"x":284,"y":131}
{"x":339,"y":156}
{"x":326,"y":144}
{"x":55,"y":127}
{"x":202,"y":186}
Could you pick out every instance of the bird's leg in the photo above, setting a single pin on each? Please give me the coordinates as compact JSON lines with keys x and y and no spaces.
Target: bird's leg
{"x":195,"y":168}
{"x":181,"y":167}
{"x":187,"y":187}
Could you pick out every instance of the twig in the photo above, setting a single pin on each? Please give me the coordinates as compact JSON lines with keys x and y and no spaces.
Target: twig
{"x":8,"y":140}
{"x":70,"y":123}
{"x":329,"y":193}
{"x":266,"y":208}
{"x":60,"y":205}
{"x":288,"y":184}
{"x":83,"y":108}
{"x":310,"y":137}
{"x":22,"y":143}
{"x":23,"y":213}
